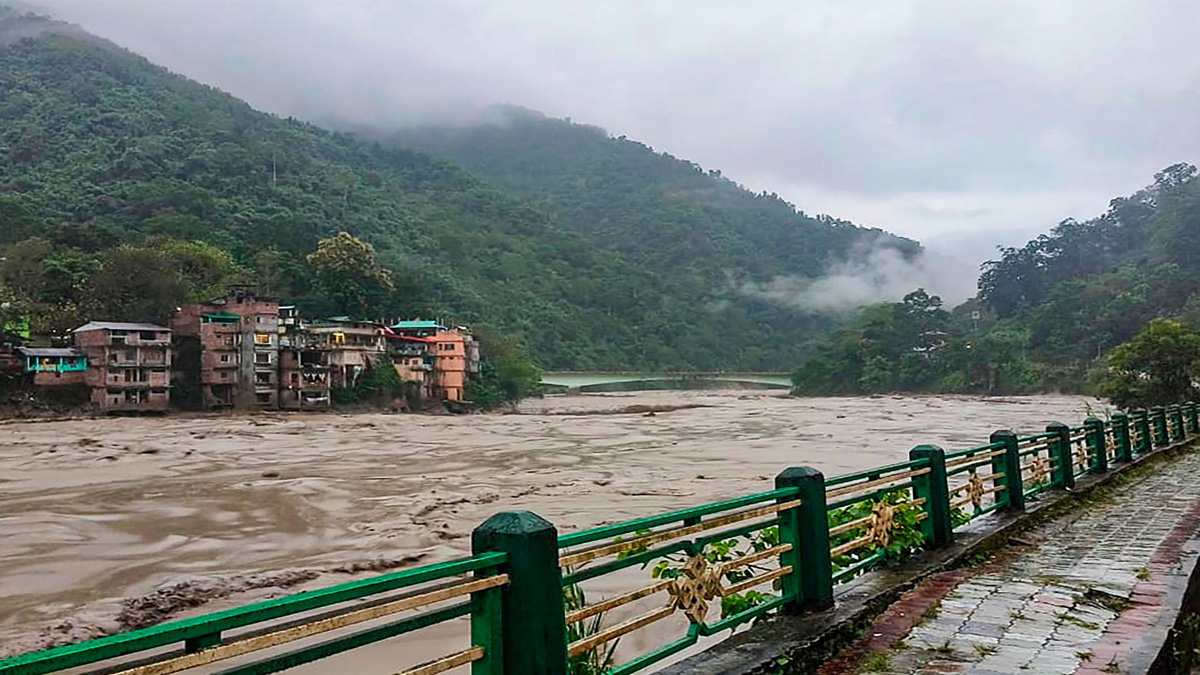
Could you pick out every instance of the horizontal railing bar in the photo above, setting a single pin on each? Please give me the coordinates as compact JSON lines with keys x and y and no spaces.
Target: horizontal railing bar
{"x":1033,"y":449}
{"x":975,"y":450}
{"x":246,"y":645}
{"x":755,"y":557}
{"x":669,"y":649}
{"x":851,"y":489}
{"x":700,"y":542}
{"x":122,"y":644}
{"x":757,"y":581}
{"x":870,"y":496}
{"x":986,"y":510}
{"x":450,"y":662}
{"x":572,"y":559}
{"x":858,"y":566}
{"x":588,"y":536}
{"x":353,"y":641}
{"x":852,"y":545}
{"x":743,"y":616}
{"x":629,"y":561}
{"x":625,"y":627}
{"x":1038,"y":437}
{"x":846,"y":527}
{"x":965,"y":463}
{"x":968,"y":500}
{"x":868,"y":473}
{"x":620,"y":600}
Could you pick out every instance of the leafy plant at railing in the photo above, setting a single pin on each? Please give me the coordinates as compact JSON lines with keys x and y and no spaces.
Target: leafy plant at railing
{"x":958,"y":516}
{"x":728,"y":550}
{"x":598,"y":659}
{"x":905,"y":537}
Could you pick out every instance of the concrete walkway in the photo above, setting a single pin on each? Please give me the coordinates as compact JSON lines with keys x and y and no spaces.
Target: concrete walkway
{"x":1092,"y":592}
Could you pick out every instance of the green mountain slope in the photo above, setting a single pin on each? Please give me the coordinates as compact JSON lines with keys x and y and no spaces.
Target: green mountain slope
{"x":101,"y":149}
{"x":655,"y":209}
{"x":1047,"y":313}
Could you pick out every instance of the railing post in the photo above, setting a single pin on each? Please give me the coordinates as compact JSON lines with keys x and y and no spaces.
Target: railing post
{"x":1120,"y":426}
{"x":1009,"y":464}
{"x":1060,"y":449}
{"x":533,"y":622}
{"x":933,"y":487}
{"x":1141,"y":419}
{"x":487,"y":629}
{"x":1177,"y":424}
{"x":1158,"y":417}
{"x":810,"y":538}
{"x":1094,"y":430}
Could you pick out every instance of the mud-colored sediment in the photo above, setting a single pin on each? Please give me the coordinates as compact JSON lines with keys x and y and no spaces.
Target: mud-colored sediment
{"x":119,"y":523}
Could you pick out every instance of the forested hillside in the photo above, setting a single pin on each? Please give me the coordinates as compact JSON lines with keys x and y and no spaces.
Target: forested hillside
{"x":1047,"y":313}
{"x":125,"y":189}
{"x":653,"y":208}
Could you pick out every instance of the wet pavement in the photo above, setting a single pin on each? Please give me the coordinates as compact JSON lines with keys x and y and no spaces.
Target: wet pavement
{"x":1091,"y":593}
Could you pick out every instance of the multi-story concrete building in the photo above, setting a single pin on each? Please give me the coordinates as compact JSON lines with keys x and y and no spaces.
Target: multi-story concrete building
{"x":353,"y":347}
{"x":303,"y":366}
{"x":234,"y":346}
{"x":129,"y":365}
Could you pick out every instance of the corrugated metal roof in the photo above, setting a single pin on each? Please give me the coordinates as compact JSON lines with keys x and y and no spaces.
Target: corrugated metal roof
{"x":50,"y":351}
{"x":417,"y":323}
{"x":115,"y":325}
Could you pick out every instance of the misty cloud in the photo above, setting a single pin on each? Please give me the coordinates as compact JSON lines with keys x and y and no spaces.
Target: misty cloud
{"x":874,"y":274}
{"x":1018,"y":113}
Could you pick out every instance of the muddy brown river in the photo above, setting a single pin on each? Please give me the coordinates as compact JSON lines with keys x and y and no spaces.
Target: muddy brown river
{"x":109,"y":524}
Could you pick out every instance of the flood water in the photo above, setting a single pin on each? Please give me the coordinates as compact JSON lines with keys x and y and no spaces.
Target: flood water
{"x":113,"y":523}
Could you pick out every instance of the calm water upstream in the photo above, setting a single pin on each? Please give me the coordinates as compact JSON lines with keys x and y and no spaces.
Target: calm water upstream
{"x":191,"y":514}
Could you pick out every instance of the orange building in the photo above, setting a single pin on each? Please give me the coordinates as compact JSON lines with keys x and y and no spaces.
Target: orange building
{"x":440,"y":358}
{"x":449,"y":364}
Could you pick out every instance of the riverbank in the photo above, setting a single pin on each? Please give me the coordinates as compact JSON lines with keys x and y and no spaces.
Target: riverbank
{"x":110,"y":521}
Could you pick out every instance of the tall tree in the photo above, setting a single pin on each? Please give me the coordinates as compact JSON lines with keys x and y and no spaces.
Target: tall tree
{"x":347,"y":272}
{"x":1159,"y":366}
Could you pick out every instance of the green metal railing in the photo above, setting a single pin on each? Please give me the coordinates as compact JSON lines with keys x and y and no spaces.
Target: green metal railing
{"x":531,"y":595}
{"x":202,"y":640}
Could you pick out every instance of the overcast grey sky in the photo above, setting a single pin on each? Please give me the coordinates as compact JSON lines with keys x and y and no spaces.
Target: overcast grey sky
{"x":938,"y":120}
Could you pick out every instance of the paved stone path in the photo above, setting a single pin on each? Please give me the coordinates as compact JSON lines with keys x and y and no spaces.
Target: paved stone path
{"x":1077,"y":600}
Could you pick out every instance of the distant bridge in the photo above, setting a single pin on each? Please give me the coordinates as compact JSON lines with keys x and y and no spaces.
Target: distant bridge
{"x":591,"y":380}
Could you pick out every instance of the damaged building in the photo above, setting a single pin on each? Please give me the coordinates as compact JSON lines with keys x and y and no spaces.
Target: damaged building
{"x":128,"y":365}
{"x":230,"y":349}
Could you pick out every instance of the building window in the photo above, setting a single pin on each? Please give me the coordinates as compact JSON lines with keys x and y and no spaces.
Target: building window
{"x":148,"y":336}
{"x":224,"y":375}
{"x":262,"y":378}
{"x":262,"y":359}
{"x":228,"y":341}
{"x":262,"y":339}
{"x":131,"y":355}
{"x":263,"y":398}
{"x":224,"y":358}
